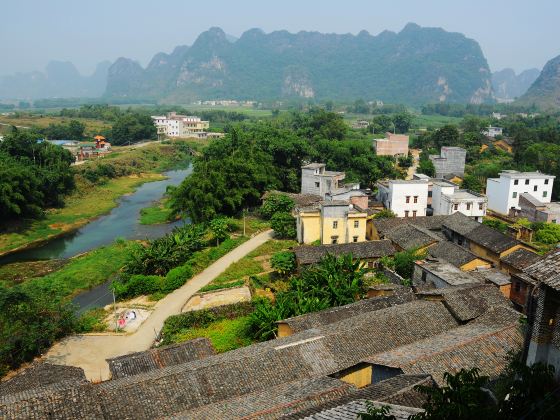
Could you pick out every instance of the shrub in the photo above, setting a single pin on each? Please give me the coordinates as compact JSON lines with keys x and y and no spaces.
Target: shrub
{"x":283,"y":262}
{"x":496,"y":224}
{"x":384,"y":214}
{"x":177,"y":277}
{"x":275,"y":203}
{"x":284,"y":225}
{"x":137,"y":285}
{"x":549,"y":233}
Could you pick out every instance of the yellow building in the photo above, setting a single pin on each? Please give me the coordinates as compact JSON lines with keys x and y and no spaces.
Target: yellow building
{"x":331,"y":222}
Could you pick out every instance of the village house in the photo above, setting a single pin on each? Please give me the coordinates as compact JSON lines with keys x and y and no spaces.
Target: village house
{"x":392,"y":145}
{"x":480,"y":239}
{"x":101,"y":143}
{"x":450,"y":161}
{"x":369,"y":252}
{"x":459,"y":256}
{"x":360,"y":124}
{"x":504,"y":192}
{"x":491,"y":131}
{"x":543,"y":312}
{"x":440,"y":274}
{"x":535,"y":210}
{"x":448,"y":198}
{"x":405,"y":198}
{"x":175,"y":125}
{"x":408,"y":236}
{"x":497,"y":278}
{"x":316,"y":180}
{"x":347,"y":357}
{"x":331,"y":222}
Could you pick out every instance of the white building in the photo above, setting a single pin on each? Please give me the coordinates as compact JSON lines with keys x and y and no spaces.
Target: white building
{"x":503,"y":192}
{"x":493,"y":131}
{"x":174,"y":125}
{"x":447,"y":199}
{"x":406,"y":198}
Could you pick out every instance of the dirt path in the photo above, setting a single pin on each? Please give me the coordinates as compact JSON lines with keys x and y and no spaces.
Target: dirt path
{"x":90,"y":351}
{"x":416,"y":160}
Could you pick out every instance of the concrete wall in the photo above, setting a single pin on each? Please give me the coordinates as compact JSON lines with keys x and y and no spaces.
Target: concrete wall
{"x":393,"y":145}
{"x":450,"y":161}
{"x":398,"y":193}
{"x":503,"y":193}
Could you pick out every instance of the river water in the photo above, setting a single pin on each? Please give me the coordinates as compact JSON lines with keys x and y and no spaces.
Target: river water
{"x":122,"y":222}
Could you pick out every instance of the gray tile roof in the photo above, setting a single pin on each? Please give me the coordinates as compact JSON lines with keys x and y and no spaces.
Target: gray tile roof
{"x":447,"y":272}
{"x":352,"y":411}
{"x":468,"y":302}
{"x":300,"y":200}
{"x":521,"y":258}
{"x":433,"y":223}
{"x":328,"y":316}
{"x":472,"y":345}
{"x":307,"y":254}
{"x":492,"y":275}
{"x":547,"y":270}
{"x":409,"y":236}
{"x":144,"y":361}
{"x":452,"y":253}
{"x":458,"y":222}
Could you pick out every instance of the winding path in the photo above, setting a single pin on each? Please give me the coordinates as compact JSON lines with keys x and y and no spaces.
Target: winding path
{"x":90,"y":351}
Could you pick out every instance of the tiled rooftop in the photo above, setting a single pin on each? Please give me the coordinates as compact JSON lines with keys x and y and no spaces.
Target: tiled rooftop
{"x":306,"y":254}
{"x":520,"y":258}
{"x":547,"y":269}
{"x":452,"y":253}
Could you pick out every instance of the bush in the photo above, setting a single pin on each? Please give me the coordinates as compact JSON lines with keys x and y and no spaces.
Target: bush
{"x":136,"y":285}
{"x":548,"y":233}
{"x":283,"y":262}
{"x":284,"y":225}
{"x":275,"y":203}
{"x":496,"y":224}
{"x":177,"y":277}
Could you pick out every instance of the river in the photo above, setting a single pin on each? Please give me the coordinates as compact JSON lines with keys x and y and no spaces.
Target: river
{"x":122,"y":222}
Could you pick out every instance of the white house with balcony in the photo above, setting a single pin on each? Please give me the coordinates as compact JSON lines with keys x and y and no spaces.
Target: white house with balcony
{"x":405,"y":198}
{"x":447,"y":199}
{"x":503,"y":193}
{"x":175,"y":125}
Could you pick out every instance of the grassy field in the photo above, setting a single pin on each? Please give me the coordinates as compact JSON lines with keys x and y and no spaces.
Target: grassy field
{"x":82,"y":272}
{"x":159,"y":213}
{"x":81,"y":207}
{"x":433,"y":121}
{"x":225,"y":334}
{"x":93,"y":126}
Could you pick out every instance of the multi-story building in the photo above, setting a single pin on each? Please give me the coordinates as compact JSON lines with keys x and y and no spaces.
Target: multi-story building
{"x":504,"y":192}
{"x":450,"y":161}
{"x":331,"y":222}
{"x":493,"y":131}
{"x":316,"y":180}
{"x":392,"y":145}
{"x":447,"y":198}
{"x":406,"y":198}
{"x":174,"y":125}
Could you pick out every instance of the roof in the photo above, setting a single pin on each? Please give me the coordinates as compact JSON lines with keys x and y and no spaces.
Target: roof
{"x":473,"y":345}
{"x":520,"y":258}
{"x":547,"y":269}
{"x":458,"y":222}
{"x":300,"y":200}
{"x":516,"y":174}
{"x":467,"y":302}
{"x":314,"y":165}
{"x":331,"y":315}
{"x":307,"y":254}
{"x":493,"y":276}
{"x":144,"y":361}
{"x":491,"y":238}
{"x":452,"y":253}
{"x":385,"y":224}
{"x":531,"y":199}
{"x":399,"y":390}
{"x":410,"y":236}
{"x":447,"y":272}
{"x":353,"y":409}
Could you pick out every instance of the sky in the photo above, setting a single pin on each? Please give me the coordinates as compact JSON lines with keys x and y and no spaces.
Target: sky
{"x":519,"y":34}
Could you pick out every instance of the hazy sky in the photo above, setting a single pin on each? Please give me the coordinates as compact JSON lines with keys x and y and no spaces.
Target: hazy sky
{"x":512,"y":33}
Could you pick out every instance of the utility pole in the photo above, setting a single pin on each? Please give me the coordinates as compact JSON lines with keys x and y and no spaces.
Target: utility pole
{"x":244,"y":210}
{"x":115,"y":313}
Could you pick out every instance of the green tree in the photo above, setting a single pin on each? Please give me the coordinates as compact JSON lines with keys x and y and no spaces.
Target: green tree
{"x":384,"y":214}
{"x":283,"y":262}
{"x":473,"y":183}
{"x":274,"y":203}
{"x":426,"y":167}
{"x":402,"y":122}
{"x":219,"y":228}
{"x":448,"y":135}
{"x":284,"y":225}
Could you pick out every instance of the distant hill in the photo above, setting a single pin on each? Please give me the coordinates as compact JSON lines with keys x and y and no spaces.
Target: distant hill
{"x":60,"y":79}
{"x":545,"y":91}
{"x":508,"y":86}
{"x":416,"y":65}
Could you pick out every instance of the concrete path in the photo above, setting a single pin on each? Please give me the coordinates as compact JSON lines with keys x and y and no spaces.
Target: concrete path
{"x":90,"y":351}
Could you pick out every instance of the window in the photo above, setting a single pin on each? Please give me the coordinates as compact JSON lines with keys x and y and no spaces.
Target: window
{"x":516,"y":182}
{"x":414,"y":214}
{"x":544,"y":193}
{"x":514,"y":195}
{"x":356,"y":223}
{"x":424,"y":276}
{"x":517,"y":286}
{"x":355,"y":239}
{"x":416,"y":199}
{"x":335,"y":224}
{"x":406,"y":213}
{"x":408,"y":198}
{"x":468,"y":206}
{"x":316,"y":185}
{"x":370,"y":264}
{"x":535,"y":188}
{"x":334,"y":239}
{"x":460,"y":241}
{"x":429,"y":193}
{"x":526,"y":182}
{"x":455,"y":206}
{"x":546,"y":182}
{"x":480,"y":206}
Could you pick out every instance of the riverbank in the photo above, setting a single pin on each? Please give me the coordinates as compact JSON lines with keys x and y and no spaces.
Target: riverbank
{"x":80,"y":208}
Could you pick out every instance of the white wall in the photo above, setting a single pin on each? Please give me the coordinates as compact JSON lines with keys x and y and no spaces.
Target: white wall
{"x":397,"y":198}
{"x":503,"y":194}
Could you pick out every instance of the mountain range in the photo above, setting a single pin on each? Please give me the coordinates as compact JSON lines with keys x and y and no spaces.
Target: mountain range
{"x":508,"y":86}
{"x":416,"y":65}
{"x":60,"y":79}
{"x":545,"y":91}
